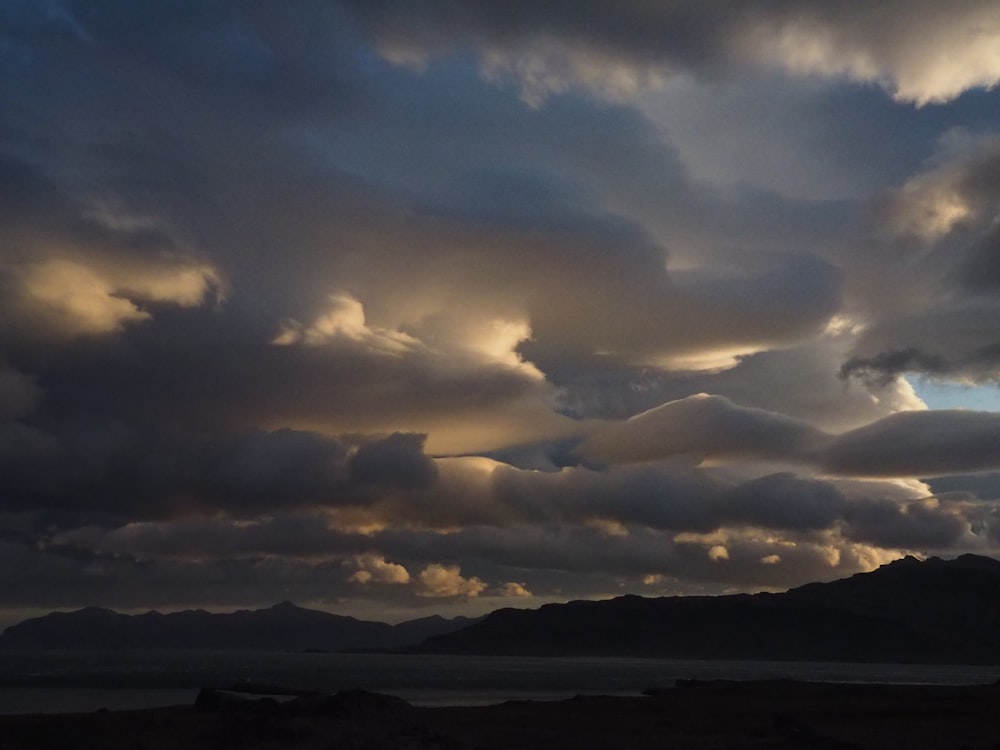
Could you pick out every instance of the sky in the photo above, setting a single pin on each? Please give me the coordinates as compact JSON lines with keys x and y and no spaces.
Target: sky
{"x":398,"y":308}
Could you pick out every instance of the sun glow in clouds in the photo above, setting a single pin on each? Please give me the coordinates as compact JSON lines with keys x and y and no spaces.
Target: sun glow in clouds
{"x":397,"y":309}
{"x":84,"y":299}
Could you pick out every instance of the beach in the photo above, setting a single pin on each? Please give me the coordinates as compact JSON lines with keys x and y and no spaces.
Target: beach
{"x":694,"y":714}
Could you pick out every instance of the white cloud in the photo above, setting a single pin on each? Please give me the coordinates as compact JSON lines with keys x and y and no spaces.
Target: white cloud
{"x":446,"y":581}
{"x":514,"y":589}
{"x":718,"y":553}
{"x":71,"y":297}
{"x":923,"y":53}
{"x":344,"y":318}
{"x":77,"y":299}
{"x":373,"y":568}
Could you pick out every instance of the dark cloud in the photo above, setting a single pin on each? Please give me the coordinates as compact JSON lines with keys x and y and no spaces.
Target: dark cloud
{"x":397,"y":460}
{"x":786,"y":501}
{"x":917,"y":524}
{"x":705,"y":427}
{"x":802,"y":36}
{"x":983,"y":269}
{"x":710,"y":428}
{"x":918,"y":443}
{"x":110,"y":467}
{"x":985,"y":485}
{"x":801,"y":382}
{"x":652,"y":524}
{"x":885,"y":367}
{"x":264,"y":266}
{"x":955,"y":341}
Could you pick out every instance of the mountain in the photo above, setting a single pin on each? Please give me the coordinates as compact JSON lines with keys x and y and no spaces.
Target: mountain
{"x":934,"y":611}
{"x":283,"y":627}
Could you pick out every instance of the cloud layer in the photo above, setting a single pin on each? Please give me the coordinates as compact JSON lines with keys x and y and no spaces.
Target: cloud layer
{"x":922,"y":54}
{"x":403,"y":307}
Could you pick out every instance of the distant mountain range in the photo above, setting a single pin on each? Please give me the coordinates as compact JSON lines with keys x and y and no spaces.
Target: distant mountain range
{"x":283,"y":627}
{"x":934,"y":611}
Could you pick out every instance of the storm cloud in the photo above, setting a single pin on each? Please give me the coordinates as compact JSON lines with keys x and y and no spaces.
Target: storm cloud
{"x":440,"y":306}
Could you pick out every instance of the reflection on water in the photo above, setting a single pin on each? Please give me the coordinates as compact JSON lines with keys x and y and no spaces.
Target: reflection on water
{"x":60,"y":681}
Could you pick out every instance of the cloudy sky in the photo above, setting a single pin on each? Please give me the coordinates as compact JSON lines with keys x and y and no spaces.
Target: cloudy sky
{"x":392,"y":308}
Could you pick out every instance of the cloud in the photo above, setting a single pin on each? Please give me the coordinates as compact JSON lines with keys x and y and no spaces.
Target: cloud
{"x":397,"y":460}
{"x":264,"y":338}
{"x":704,"y":426}
{"x":19,"y":393}
{"x":345,"y":318}
{"x":801,"y":382}
{"x":952,"y":339}
{"x":885,"y":368}
{"x":985,"y":486}
{"x":718,"y":553}
{"x":921,"y":523}
{"x":440,"y":581}
{"x":708,"y":428}
{"x":513,"y":589}
{"x":923,"y":55}
{"x":144,"y":475}
{"x":820,"y":530}
{"x":542,"y":68}
{"x":961,"y":190}
{"x":712,"y":323}
{"x":70,"y":298}
{"x":495,"y":516}
{"x":374,"y":569}
{"x":832,"y":159}
{"x":923,"y":443}
{"x":82,"y":301}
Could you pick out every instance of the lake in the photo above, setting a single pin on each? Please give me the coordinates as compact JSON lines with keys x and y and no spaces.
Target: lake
{"x":64,"y":681}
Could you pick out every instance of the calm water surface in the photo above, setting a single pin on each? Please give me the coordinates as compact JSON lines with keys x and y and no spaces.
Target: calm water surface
{"x":61,"y":681}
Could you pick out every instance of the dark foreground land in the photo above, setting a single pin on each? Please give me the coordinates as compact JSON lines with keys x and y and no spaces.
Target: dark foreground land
{"x":775,"y":714}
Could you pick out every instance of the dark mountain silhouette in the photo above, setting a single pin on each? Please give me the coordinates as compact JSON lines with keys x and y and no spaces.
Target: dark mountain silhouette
{"x":934,"y":611}
{"x":283,"y":627}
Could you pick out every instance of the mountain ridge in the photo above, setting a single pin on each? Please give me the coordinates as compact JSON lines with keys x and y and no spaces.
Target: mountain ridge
{"x":281,"y":627}
{"x":931,"y":611}
{"x":909,"y":610}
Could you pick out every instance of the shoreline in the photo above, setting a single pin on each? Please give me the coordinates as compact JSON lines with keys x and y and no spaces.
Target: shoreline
{"x":699,"y":714}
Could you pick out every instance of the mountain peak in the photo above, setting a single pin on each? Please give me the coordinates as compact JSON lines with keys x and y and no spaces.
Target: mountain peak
{"x":968,"y":560}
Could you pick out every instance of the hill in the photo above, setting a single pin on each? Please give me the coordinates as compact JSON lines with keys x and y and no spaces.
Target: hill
{"x":283,"y":627}
{"x":934,"y":611}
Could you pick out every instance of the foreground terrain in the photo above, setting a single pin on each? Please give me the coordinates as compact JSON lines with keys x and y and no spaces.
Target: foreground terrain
{"x":775,"y":714}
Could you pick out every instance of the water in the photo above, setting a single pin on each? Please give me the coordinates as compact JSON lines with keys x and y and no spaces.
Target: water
{"x":63,"y":681}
